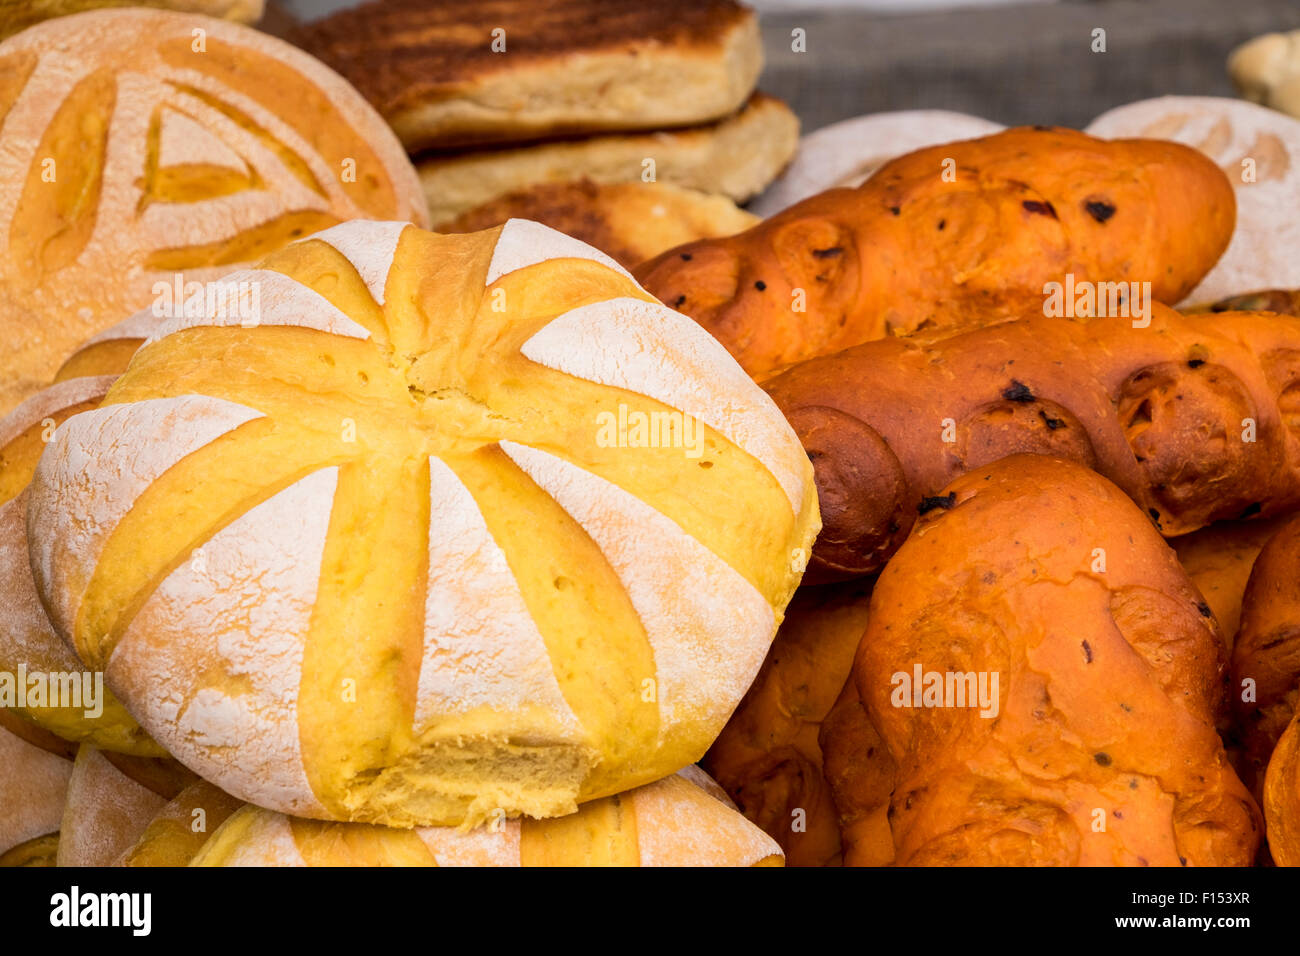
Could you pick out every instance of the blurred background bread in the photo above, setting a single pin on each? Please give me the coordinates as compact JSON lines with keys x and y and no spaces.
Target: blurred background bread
{"x":16,"y":15}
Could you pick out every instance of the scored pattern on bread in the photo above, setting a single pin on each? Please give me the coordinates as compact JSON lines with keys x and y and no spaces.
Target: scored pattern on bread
{"x":918,"y":249}
{"x":387,"y":578}
{"x":145,"y":143}
{"x":1100,"y":747}
{"x":1193,"y":417}
{"x":681,"y":820}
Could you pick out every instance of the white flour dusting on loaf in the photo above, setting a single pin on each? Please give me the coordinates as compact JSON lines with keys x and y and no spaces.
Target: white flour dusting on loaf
{"x":524,"y":243}
{"x":370,"y":247}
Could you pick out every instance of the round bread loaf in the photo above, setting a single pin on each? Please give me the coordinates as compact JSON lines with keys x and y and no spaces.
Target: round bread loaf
{"x":35,"y":767}
{"x":682,"y":820}
{"x":40,"y":677}
{"x":111,"y":799}
{"x":145,"y":149}
{"x":461,"y":524}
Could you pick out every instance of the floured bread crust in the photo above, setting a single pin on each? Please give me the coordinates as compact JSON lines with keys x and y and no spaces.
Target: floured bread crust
{"x":1259,"y":150}
{"x":385,"y":554}
{"x":682,"y":820}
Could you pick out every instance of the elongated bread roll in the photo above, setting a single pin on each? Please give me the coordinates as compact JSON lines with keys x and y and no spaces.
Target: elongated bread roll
{"x":35,"y":767}
{"x":1069,"y":683}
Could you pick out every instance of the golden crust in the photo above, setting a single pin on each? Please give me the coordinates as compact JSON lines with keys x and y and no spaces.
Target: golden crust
{"x":630,"y":222}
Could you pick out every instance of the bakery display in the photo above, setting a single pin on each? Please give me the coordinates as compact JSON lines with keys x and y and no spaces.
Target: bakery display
{"x":844,"y":155}
{"x":1189,"y":415}
{"x":111,"y":799}
{"x":57,"y":692}
{"x":1087,"y":744}
{"x":768,"y":757}
{"x":459,"y":74}
{"x":735,"y":156}
{"x":676,"y":821}
{"x":1257,"y":148}
{"x":956,"y":236}
{"x":137,"y":157}
{"x":629,"y":222}
{"x":1266,"y":656}
{"x":423,"y":590}
{"x":35,"y":767}
{"x":1266,"y":70}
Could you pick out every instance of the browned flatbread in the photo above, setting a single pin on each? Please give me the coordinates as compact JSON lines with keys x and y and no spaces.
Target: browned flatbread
{"x":568,"y":66}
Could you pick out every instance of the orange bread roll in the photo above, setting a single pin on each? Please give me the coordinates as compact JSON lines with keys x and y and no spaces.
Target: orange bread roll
{"x":860,"y":774}
{"x":1190,"y":415}
{"x":952,"y":237}
{"x":768,"y":757}
{"x":1282,"y":798}
{"x":1048,"y":680}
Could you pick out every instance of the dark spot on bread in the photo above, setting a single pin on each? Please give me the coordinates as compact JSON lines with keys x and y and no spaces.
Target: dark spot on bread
{"x":1052,"y":423}
{"x":829,"y":253}
{"x":1102,"y":758}
{"x":1195,"y":363}
{"x":1251,"y":510}
{"x":1099,"y":209}
{"x":1039,"y":208}
{"x":895,"y":210}
{"x":679,"y":300}
{"x":930,"y":502}
{"x":760,"y":285}
{"x":1204,"y":609}
{"x":942,"y":224}
{"x":1087,"y":653}
{"x":1018,"y":392}
{"x":686,"y":257}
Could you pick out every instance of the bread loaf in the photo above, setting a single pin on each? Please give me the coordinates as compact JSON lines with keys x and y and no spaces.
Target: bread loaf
{"x":1191,"y":416}
{"x":35,"y":767}
{"x":72,"y":703}
{"x":1048,"y":680}
{"x":510,"y":71}
{"x":18,"y":15}
{"x":111,"y":799}
{"x":179,"y":830}
{"x":472,"y":589}
{"x":1282,"y":798}
{"x":1266,"y":656}
{"x":860,"y":774}
{"x":768,"y":757}
{"x":1259,"y":151}
{"x":629,"y":222}
{"x":1266,"y":70}
{"x":672,"y":822}
{"x":951,"y":237}
{"x":140,"y":156}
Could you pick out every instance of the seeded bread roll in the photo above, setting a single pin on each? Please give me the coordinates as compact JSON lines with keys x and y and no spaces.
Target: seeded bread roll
{"x":387,"y":554}
{"x":111,"y":799}
{"x":35,"y":767}
{"x":952,"y":237}
{"x":140,"y":155}
{"x":682,"y":820}
{"x":1192,"y":416}
{"x":768,"y":757}
{"x":1044,"y":590}
{"x":1266,"y":658}
{"x":28,"y":642}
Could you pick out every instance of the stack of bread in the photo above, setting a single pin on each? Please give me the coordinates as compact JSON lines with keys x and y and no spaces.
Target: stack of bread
{"x":632,"y":126}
